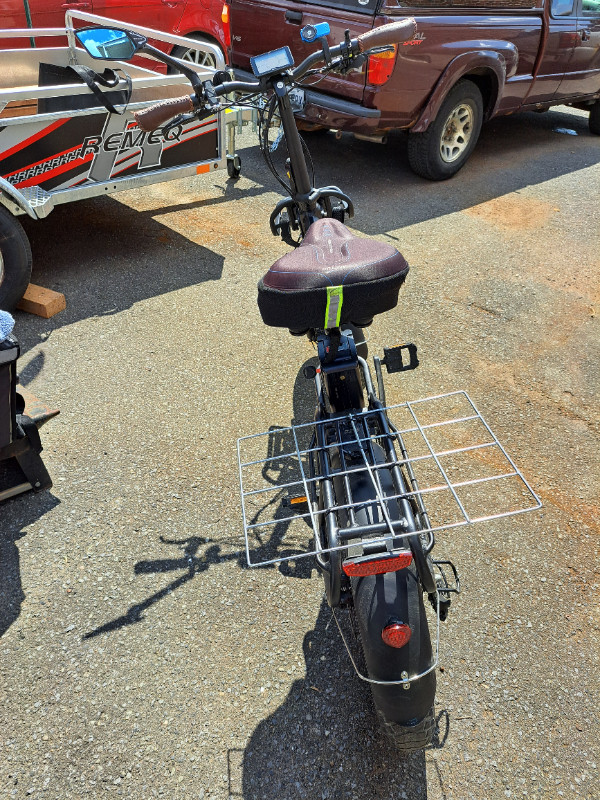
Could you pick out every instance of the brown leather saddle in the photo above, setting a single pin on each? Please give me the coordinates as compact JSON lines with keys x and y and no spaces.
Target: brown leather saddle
{"x":332,"y":278}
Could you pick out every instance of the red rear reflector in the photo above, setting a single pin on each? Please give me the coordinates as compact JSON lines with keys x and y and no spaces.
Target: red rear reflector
{"x":380,"y":67}
{"x":397,"y":634}
{"x":377,"y":565}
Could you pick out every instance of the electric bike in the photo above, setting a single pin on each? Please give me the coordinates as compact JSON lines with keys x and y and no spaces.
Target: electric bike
{"x":351,"y":478}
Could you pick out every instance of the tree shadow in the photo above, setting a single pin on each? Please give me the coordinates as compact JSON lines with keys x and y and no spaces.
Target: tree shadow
{"x":324,"y":740}
{"x":16,"y":515}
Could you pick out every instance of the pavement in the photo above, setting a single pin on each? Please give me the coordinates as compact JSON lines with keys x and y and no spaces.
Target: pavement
{"x":139,"y":656}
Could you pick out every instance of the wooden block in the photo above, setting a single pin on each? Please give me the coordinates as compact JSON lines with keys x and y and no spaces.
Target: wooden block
{"x":19,"y":108}
{"x":42,"y":302}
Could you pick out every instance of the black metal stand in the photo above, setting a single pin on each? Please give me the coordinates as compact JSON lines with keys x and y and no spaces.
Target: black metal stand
{"x":21,"y":466}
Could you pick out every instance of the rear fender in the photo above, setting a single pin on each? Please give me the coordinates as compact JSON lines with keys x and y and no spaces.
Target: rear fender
{"x":377,"y":600}
{"x":498,"y":64}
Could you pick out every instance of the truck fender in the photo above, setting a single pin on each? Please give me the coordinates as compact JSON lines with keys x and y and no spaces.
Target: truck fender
{"x":14,"y":200}
{"x":501,"y":63}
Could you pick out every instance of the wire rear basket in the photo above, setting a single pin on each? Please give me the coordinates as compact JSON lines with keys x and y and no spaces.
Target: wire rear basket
{"x":457,"y":474}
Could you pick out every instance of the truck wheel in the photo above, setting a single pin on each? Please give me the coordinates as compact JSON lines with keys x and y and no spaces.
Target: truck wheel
{"x":196,"y":57}
{"x":444,"y":147}
{"x":15,"y":260}
{"x":594,"y":121}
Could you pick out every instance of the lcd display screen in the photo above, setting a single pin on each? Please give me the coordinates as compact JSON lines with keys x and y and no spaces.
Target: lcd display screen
{"x":275,"y":61}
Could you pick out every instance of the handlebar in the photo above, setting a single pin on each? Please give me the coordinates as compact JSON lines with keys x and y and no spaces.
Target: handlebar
{"x":151,"y":118}
{"x":394,"y":33}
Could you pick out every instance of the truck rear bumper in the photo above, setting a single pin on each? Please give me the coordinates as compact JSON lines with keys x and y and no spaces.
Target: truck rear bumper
{"x":332,"y":112}
{"x":335,"y":112}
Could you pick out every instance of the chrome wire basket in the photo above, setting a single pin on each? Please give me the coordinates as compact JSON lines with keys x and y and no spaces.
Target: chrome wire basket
{"x":457,"y":472}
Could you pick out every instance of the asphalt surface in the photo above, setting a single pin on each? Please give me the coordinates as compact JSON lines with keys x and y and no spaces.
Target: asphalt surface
{"x":139,"y":657}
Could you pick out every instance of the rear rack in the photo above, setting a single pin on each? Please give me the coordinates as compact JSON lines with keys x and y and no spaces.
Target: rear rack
{"x":458,"y":474}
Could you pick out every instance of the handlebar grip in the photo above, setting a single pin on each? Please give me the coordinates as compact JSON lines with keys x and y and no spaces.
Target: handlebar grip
{"x":154,"y":116}
{"x":392,"y":33}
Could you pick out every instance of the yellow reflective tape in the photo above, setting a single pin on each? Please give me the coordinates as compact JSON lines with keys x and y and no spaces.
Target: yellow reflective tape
{"x":333,"y":311}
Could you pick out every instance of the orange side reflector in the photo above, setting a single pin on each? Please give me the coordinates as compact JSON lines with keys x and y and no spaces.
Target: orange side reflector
{"x":202,"y":168}
{"x":296,"y":500}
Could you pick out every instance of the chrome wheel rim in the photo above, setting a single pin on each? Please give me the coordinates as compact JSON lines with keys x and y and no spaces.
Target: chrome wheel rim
{"x":199,"y":58}
{"x":457,"y":133}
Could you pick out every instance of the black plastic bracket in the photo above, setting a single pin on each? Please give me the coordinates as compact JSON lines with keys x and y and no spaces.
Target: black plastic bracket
{"x":393,"y":358}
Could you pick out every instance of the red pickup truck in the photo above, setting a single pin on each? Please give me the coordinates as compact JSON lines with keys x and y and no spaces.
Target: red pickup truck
{"x":469,"y":61}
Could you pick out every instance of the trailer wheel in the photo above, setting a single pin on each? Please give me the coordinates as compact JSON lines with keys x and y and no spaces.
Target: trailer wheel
{"x":15,"y":260}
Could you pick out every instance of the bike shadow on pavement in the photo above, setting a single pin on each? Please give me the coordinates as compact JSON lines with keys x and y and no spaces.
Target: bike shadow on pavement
{"x":199,"y":553}
{"x":324,"y":740}
{"x":17,"y":514}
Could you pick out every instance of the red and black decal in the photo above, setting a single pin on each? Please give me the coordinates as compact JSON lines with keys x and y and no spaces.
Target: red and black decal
{"x":97,"y":147}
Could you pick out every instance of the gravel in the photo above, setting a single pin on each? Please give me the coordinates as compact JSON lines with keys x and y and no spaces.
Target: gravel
{"x":139,"y":657}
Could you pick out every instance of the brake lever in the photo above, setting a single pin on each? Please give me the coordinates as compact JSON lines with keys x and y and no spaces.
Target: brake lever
{"x":180,"y":119}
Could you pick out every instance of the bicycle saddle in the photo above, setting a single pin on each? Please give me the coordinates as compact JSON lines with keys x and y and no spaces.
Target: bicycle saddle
{"x":333,"y":277}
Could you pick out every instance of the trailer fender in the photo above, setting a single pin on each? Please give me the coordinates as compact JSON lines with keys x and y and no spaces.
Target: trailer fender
{"x":16,"y":202}
{"x":499,"y":65}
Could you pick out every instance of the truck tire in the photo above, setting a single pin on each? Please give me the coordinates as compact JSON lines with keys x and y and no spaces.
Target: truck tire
{"x":594,"y":121}
{"x":439,"y":152}
{"x":195,"y":57}
{"x":15,"y":260}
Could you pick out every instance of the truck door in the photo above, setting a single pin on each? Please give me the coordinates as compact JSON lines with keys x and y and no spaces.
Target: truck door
{"x":258,"y":26}
{"x":583,"y":76}
{"x":579,"y":48}
{"x":558,"y":50}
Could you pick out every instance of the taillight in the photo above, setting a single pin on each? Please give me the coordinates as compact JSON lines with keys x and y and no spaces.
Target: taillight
{"x":226,"y":26}
{"x":396,"y":634}
{"x":377,"y":565}
{"x":380,"y":66}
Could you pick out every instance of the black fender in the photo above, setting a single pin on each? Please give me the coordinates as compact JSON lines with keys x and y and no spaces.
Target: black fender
{"x":379,"y":599}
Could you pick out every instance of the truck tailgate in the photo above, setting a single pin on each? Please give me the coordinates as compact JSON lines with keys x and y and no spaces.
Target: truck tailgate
{"x":258,"y":26}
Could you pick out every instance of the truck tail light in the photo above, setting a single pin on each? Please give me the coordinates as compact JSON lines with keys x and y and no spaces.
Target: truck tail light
{"x":377,"y":565}
{"x":380,"y":67}
{"x":226,"y":25}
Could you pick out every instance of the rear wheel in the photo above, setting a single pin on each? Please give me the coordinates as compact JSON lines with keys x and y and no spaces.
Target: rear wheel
{"x":409,"y":738}
{"x":439,"y":152}
{"x":15,"y":260}
{"x":405,"y":710}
